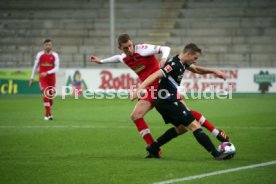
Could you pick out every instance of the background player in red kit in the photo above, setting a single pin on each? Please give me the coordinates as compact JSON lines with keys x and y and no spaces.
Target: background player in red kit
{"x":142,"y":60}
{"x":48,"y":62}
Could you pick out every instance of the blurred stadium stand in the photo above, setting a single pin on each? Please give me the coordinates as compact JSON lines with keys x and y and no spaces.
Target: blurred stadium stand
{"x":236,"y":33}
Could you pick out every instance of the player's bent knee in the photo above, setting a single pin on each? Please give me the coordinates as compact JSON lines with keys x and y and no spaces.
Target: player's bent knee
{"x":139,"y":112}
{"x":136,"y":115}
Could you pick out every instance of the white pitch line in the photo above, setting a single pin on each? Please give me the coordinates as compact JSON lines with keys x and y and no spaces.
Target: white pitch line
{"x":105,"y":126}
{"x":189,"y":178}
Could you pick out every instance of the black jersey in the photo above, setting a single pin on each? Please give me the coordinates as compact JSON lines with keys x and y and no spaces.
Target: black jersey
{"x":173,"y":72}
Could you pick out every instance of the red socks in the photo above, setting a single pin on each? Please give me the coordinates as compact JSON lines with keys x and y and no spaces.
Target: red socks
{"x":47,"y":105}
{"x":203,"y":121}
{"x":144,"y":130}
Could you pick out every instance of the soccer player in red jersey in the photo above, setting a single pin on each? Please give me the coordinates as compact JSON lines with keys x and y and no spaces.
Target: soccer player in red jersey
{"x":48,"y":63}
{"x":142,"y":60}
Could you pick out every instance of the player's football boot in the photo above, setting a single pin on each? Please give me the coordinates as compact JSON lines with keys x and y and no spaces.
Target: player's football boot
{"x":153,"y":151}
{"x":49,"y":117}
{"x":46,"y":118}
{"x":222,"y":136}
{"x":225,"y":156}
{"x":150,"y":155}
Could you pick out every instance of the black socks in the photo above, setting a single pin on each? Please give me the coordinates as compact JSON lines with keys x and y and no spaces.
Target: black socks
{"x":166,"y":137}
{"x":205,"y":141}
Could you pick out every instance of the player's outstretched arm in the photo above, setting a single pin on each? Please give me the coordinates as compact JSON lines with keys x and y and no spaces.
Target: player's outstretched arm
{"x":153,"y":77}
{"x":204,"y":70}
{"x":112,"y":59}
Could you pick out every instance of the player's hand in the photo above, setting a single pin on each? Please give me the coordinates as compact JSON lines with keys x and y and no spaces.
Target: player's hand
{"x":136,"y":93}
{"x":162,"y":62}
{"x":31,"y":82}
{"x":43,"y":74}
{"x":95,"y":59}
{"x":220,"y":74}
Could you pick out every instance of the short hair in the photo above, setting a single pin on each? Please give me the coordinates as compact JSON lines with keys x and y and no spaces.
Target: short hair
{"x":191,"y":48}
{"x":123,"y":38}
{"x":47,"y":41}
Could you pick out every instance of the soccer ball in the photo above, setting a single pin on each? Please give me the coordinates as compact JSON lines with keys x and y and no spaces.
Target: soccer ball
{"x":227,"y":147}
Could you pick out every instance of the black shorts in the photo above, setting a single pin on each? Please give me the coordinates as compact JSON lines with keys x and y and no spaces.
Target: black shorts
{"x":174,"y":112}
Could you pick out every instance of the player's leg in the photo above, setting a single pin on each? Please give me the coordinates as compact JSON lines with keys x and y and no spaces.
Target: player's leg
{"x":202,"y":138}
{"x":169,"y":135}
{"x":219,"y":134}
{"x":177,"y":114}
{"x":43,"y":86}
{"x":47,"y":107}
{"x":206,"y":142}
{"x":52,"y":91}
{"x":193,"y":125}
{"x":199,"y":135}
{"x":167,"y":110}
{"x":137,"y":116}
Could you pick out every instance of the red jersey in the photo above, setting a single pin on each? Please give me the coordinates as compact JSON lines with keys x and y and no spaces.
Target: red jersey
{"x":143,"y":62}
{"x":140,"y":63}
{"x":47,"y":62}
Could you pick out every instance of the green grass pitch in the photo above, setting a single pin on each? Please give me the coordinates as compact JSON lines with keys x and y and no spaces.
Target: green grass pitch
{"x":94,"y":141}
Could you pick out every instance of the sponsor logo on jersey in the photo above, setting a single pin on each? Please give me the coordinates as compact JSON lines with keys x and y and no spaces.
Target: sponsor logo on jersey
{"x":139,"y":68}
{"x":46,"y":64}
{"x":168,"y":68}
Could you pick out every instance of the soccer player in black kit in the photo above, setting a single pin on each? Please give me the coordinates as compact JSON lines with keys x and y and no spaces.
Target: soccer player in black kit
{"x":169,"y":105}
